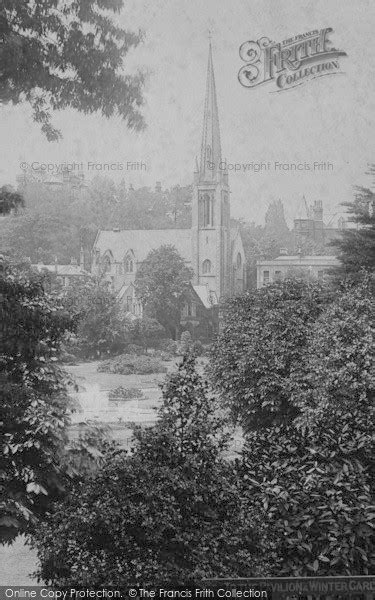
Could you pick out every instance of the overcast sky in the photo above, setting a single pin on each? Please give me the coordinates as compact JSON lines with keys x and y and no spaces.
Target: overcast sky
{"x":328,"y":119}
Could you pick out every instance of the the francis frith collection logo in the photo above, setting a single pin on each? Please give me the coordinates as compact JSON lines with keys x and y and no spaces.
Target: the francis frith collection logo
{"x":291,"y":62}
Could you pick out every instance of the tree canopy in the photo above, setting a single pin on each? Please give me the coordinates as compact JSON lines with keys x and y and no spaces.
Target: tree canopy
{"x":261,"y":341}
{"x":61,"y":54}
{"x":356,"y":246}
{"x":160,"y":282}
{"x":169,"y":514}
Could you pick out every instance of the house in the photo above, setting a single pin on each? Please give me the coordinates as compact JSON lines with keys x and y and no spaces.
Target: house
{"x":270,"y":271}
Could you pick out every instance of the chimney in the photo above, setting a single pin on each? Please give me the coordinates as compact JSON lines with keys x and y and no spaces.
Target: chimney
{"x":283,"y":252}
{"x":158,"y":187}
{"x":73,"y":261}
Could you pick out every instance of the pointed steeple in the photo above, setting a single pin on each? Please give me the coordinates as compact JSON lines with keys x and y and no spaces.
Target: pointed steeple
{"x":211,"y":147}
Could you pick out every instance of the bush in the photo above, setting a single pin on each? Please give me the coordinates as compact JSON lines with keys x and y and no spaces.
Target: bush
{"x":168,"y":346}
{"x":197,"y":348}
{"x":168,"y":514}
{"x":263,"y":337}
{"x":123,"y":393}
{"x":128,"y":364}
{"x":314,"y":491}
{"x":135,"y":349}
{"x":185,"y":342}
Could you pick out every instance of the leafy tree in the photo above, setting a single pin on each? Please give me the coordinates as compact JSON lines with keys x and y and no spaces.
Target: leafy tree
{"x":312,"y":481}
{"x":262,"y":337}
{"x":147,"y":332}
{"x":33,"y":397}
{"x":356,"y":247}
{"x":63,"y":54}
{"x":313,"y":488}
{"x":169,"y":514}
{"x":160,"y":282}
{"x":59,"y":220}
{"x":102,"y":326}
{"x":336,"y":372}
{"x":9,"y":200}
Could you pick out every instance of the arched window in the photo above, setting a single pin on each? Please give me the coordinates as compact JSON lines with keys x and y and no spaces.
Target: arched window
{"x":239,"y":260}
{"x":207,"y":211}
{"x":129,"y":265}
{"x":206,"y":267}
{"x":106,"y":263}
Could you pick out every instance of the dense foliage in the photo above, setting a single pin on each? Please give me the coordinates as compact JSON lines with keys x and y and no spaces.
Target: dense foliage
{"x":10,"y":200}
{"x":60,"y":219}
{"x":314,"y":490}
{"x":127,"y":364}
{"x":313,"y":480}
{"x":168,"y":514}
{"x":356,"y":246}
{"x":260,"y":344}
{"x":102,"y":325}
{"x":33,"y":399}
{"x":161,"y":281}
{"x":61,"y":54}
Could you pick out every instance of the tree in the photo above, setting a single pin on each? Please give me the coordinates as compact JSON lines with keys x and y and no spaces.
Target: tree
{"x":33,"y":398}
{"x":169,"y":514}
{"x":9,"y":200}
{"x":60,"y":54}
{"x":261,"y":341}
{"x":314,"y":489}
{"x":160,"y":283}
{"x":312,"y":480}
{"x":336,"y":371}
{"x":102,"y":326}
{"x":356,"y":247}
{"x":146,"y":332}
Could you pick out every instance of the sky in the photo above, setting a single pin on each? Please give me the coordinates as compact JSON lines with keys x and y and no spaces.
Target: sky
{"x":328,"y":119}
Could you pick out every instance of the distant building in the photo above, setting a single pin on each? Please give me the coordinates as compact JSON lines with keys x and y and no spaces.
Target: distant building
{"x":211,"y":247}
{"x":312,"y":228}
{"x":65,"y":275}
{"x":271,"y":271}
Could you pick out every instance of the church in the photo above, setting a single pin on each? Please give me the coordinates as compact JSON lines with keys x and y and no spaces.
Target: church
{"x":211,"y":247}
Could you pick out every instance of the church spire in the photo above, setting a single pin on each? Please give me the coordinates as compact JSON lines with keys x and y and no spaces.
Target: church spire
{"x":211,"y":147}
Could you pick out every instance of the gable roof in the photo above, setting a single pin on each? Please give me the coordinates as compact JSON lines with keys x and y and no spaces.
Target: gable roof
{"x":142,"y":241}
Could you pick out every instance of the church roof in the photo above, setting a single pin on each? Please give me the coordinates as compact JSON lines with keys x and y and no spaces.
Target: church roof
{"x":207,"y":298}
{"x":142,"y":241}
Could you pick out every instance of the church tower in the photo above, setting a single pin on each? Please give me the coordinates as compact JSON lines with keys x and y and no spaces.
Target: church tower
{"x":210,"y":210}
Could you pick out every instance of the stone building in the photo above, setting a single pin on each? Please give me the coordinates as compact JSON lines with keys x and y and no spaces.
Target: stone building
{"x":211,"y":247}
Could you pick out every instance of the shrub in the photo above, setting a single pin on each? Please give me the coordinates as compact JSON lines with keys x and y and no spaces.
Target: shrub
{"x":135,"y":349}
{"x":314,"y":491}
{"x":128,"y":364}
{"x":123,"y":393}
{"x":168,"y":514}
{"x":263,"y":337}
{"x":197,"y":348}
{"x":168,"y":346}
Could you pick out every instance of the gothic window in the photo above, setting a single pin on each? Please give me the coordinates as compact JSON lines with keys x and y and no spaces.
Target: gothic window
{"x":207,"y":211}
{"x":206,"y":267}
{"x":239,"y":260}
{"x":129,"y":263}
{"x":106,"y":264}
